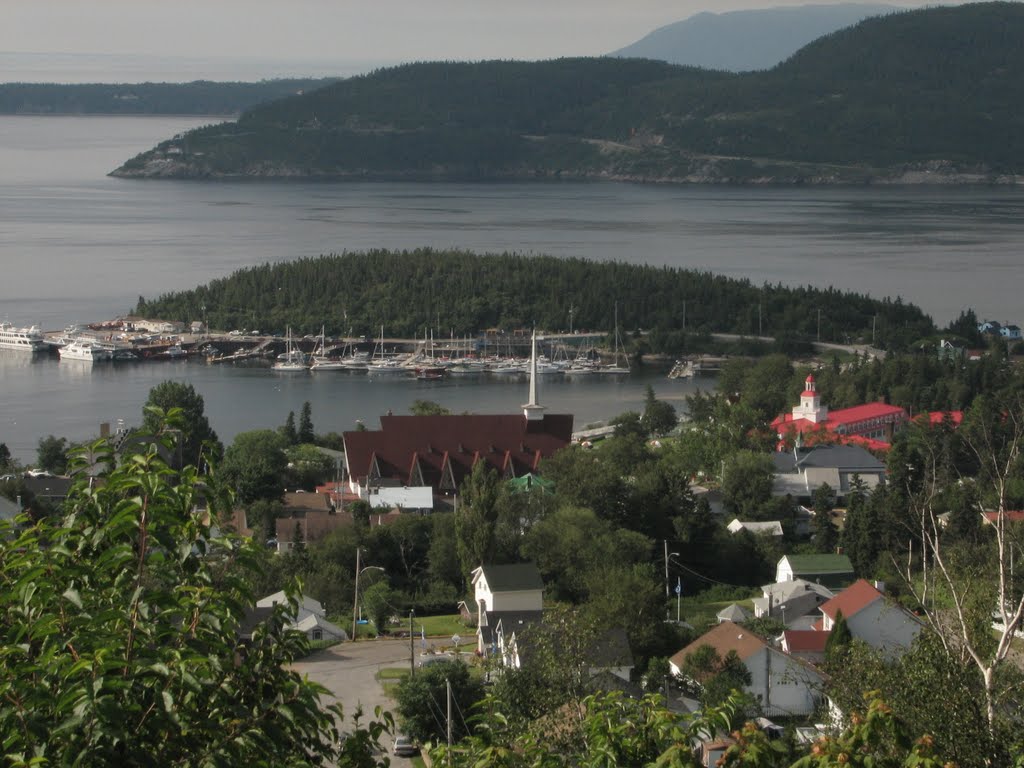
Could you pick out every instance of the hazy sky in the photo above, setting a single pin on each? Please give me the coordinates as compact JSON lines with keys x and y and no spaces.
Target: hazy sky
{"x":367,"y":30}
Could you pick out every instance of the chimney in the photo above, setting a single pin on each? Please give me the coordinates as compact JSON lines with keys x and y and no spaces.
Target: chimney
{"x":880,"y":586}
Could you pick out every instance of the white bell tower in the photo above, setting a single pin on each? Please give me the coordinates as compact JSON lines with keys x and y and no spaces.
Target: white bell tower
{"x":810,"y":407}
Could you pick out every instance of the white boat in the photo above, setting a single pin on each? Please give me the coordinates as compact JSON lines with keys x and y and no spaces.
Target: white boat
{"x":25,"y":339}
{"x":292,"y":359}
{"x":81,"y":349}
{"x":321,"y":362}
{"x":385,"y":365}
{"x":616,"y":368}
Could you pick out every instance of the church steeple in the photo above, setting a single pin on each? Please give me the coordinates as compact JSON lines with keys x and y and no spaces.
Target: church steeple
{"x":533,"y":410}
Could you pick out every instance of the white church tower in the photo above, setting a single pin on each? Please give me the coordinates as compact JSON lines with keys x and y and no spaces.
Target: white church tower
{"x":533,"y":411}
{"x":810,"y":407}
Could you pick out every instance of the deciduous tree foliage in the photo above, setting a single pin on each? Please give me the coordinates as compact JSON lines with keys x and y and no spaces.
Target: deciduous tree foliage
{"x":119,"y":635}
{"x":195,"y":427}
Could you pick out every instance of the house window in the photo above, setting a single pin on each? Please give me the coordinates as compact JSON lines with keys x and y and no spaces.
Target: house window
{"x":318,"y":634}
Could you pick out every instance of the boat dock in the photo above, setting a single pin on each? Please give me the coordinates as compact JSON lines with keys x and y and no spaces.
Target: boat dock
{"x":690,"y":367}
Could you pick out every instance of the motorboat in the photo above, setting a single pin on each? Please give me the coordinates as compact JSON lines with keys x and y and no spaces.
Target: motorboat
{"x":81,"y":349}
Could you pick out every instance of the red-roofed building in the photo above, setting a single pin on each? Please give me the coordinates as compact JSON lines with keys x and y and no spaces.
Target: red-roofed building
{"x":1010,"y":516}
{"x":881,"y":623}
{"x":806,"y":644}
{"x":783,"y":684}
{"x":440,"y":451}
{"x":874,"y":422}
{"x":954,"y":417}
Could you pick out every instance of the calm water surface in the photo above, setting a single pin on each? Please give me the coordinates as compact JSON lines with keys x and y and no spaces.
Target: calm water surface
{"x":79,"y":246}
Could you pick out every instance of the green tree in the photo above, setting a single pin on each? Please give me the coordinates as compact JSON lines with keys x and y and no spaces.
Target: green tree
{"x":747,"y":483}
{"x":127,"y":652}
{"x":419,"y":696}
{"x":306,"y":433}
{"x":428,"y":408}
{"x":659,"y":417}
{"x":195,"y":429}
{"x":628,"y":424}
{"x":288,"y":430}
{"x":52,"y":454}
{"x":255,"y":465}
{"x":5,"y":457}
{"x":476,"y":515}
{"x":839,"y":640}
{"x":826,"y":534}
{"x":380,"y":603}
{"x":308,"y":466}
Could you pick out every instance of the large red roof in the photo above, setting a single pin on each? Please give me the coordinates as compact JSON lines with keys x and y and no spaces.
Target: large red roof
{"x":851,"y":600}
{"x":508,"y":443}
{"x":863,"y":413}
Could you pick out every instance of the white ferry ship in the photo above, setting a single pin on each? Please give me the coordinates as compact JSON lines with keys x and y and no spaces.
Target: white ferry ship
{"x":26,"y":339}
{"x":84,"y":350}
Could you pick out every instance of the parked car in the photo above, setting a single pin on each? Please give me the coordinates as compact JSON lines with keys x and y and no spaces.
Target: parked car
{"x":405,"y":747}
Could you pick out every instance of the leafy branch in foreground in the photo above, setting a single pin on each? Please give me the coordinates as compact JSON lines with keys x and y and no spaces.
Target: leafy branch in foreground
{"x":119,"y":633}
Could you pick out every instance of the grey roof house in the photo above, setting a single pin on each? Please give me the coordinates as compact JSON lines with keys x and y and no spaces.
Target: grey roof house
{"x":799,"y":473}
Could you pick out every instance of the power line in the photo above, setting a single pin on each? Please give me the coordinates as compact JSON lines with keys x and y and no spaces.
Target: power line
{"x":703,"y":577}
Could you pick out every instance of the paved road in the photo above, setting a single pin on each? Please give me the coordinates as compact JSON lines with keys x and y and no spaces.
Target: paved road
{"x":349,"y":671}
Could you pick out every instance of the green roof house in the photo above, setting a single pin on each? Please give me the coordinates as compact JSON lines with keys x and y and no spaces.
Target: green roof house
{"x":827,"y":570}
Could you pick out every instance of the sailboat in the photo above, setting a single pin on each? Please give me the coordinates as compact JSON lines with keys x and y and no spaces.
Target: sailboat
{"x":384,"y":365}
{"x":292,"y":360}
{"x":321,"y":362}
{"x":616,"y":367}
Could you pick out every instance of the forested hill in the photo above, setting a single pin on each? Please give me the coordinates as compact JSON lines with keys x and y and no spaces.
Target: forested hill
{"x":201,"y":97}
{"x":409,"y":291}
{"x":922,"y":95}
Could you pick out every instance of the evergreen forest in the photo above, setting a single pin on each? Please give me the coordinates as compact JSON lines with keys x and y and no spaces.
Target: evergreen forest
{"x":461,"y":293}
{"x":201,"y":97}
{"x":934,"y":91}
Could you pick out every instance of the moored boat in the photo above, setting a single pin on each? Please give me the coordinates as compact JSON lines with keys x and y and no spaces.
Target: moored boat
{"x":24,"y":339}
{"x":87,"y":351}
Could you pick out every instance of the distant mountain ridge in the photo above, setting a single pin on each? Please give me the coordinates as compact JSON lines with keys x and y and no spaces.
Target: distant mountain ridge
{"x":924,"y":96}
{"x":741,"y":41}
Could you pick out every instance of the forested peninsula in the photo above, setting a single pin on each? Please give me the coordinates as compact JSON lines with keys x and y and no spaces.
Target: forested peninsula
{"x":463,"y":293}
{"x":920,"y":96}
{"x":201,"y":97}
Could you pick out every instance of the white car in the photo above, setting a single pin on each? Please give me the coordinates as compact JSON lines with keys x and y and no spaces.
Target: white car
{"x":404,"y":747}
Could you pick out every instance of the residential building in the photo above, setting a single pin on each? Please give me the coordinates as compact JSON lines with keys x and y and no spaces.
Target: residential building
{"x":805,"y":644}
{"x":795,"y":603}
{"x":783,"y":684}
{"x":310,"y":618}
{"x":828,"y":570}
{"x":733,"y":613}
{"x":881,"y":623}
{"x":508,"y":598}
{"x":800,"y":472}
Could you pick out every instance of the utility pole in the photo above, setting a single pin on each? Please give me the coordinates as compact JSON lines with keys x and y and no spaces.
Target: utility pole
{"x":665,"y":541}
{"x":412,"y":646}
{"x":355,"y":601}
{"x":448,"y":686}
{"x":679,"y":597}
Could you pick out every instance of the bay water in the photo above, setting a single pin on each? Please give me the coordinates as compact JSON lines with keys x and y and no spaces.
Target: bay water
{"x":78,"y":246}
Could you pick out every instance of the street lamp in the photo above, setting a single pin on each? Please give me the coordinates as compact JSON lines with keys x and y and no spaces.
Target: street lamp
{"x":355,"y":601}
{"x":679,"y":586}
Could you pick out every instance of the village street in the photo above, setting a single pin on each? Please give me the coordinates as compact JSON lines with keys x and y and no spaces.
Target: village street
{"x":348,"y":671}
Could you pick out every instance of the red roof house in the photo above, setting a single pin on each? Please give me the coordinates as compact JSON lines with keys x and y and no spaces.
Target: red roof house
{"x":881,"y":623}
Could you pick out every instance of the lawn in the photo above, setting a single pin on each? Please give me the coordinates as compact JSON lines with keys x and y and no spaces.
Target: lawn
{"x":445,"y":626}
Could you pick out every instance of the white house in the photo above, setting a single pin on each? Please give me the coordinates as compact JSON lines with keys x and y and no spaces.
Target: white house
{"x":784,"y":685}
{"x":516,"y":587}
{"x":883,"y":624}
{"x":307,"y":605}
{"x":829,"y":570}
{"x":790,"y":601}
{"x":508,"y":598}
